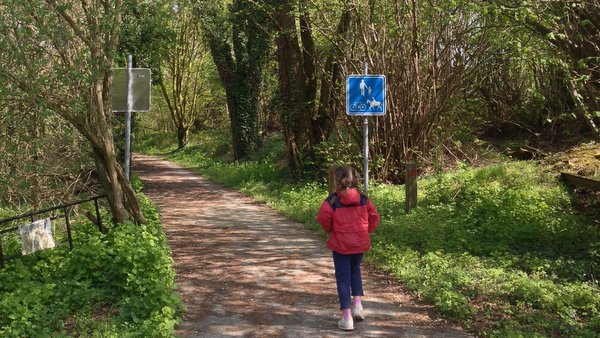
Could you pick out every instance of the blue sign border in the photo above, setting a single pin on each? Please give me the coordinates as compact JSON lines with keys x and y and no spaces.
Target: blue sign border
{"x":360,"y":108}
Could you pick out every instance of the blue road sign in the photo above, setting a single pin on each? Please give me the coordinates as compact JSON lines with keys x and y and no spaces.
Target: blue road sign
{"x":365,"y":95}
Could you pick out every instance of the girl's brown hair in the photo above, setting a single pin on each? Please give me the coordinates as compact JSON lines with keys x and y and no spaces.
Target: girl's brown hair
{"x":346,"y":177}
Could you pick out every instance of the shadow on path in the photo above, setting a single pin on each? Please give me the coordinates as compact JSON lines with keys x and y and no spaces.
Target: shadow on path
{"x":243,"y":270}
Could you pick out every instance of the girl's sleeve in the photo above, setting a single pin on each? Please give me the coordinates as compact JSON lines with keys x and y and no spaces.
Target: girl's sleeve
{"x":373,"y":216}
{"x":325,"y":216}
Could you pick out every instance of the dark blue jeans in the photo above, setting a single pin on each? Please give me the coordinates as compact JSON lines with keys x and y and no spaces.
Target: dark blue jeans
{"x":347,"y":277}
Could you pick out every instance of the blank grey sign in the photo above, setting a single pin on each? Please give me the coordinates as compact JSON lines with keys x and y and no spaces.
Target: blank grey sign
{"x":140,"y":89}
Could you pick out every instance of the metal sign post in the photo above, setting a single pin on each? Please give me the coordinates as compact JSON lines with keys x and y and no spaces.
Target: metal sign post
{"x":366,"y":141}
{"x":365,"y":96}
{"x":128,"y":117}
{"x":131,"y":89}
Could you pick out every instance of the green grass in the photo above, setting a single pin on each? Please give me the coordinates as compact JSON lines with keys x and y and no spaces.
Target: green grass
{"x":104,"y":287}
{"x":498,"y":249}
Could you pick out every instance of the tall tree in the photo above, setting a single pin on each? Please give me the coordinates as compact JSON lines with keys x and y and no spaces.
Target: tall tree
{"x":306,"y":119}
{"x":238,"y":39}
{"x":59,"y":54}
{"x":181,"y":79}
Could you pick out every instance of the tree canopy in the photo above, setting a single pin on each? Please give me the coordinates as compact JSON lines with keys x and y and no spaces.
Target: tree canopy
{"x":457,"y":71}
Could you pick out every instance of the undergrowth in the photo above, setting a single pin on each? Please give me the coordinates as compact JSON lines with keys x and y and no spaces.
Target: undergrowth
{"x":119,"y":284}
{"x":498,"y":249}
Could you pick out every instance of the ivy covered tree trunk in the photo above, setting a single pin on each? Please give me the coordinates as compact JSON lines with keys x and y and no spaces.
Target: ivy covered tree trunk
{"x":243,"y":113}
{"x":238,"y":41}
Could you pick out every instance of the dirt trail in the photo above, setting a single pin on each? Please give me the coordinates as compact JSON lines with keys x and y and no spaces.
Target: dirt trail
{"x":243,"y":270}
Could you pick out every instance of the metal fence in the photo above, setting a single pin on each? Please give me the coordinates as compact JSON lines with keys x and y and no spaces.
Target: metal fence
{"x":54,"y":213}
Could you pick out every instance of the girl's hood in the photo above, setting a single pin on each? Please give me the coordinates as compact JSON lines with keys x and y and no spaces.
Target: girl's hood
{"x":349,"y":196}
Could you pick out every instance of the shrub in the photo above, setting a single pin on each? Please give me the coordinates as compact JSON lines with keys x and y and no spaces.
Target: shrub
{"x":115,"y":284}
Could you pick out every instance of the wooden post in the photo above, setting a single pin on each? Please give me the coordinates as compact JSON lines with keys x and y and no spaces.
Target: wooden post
{"x":331,"y":178}
{"x":410,"y":185}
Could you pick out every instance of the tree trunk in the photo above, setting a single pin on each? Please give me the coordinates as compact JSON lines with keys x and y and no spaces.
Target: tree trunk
{"x":182,"y":137}
{"x":324,"y":122}
{"x":306,"y":124}
{"x":297,"y":85}
{"x":242,"y":105}
{"x":239,"y":58}
{"x":119,"y":192}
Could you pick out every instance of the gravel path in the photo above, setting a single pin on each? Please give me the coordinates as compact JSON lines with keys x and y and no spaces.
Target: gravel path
{"x":244,"y":270}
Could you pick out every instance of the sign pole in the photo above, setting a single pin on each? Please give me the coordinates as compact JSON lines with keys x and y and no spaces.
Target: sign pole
{"x":365,"y":95}
{"x":128,"y":117}
{"x":366,"y":140}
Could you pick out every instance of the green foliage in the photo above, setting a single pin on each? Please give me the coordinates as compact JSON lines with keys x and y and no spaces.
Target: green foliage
{"x":339,"y":152}
{"x":211,"y":155}
{"x":56,"y":59}
{"x":497,"y":242}
{"x":556,"y":38}
{"x":155,"y":143}
{"x":146,"y":31}
{"x":115,"y":284}
{"x":497,"y":248}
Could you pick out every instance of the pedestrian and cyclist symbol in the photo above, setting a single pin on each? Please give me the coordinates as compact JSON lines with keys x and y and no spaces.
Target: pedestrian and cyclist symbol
{"x":365,"y":95}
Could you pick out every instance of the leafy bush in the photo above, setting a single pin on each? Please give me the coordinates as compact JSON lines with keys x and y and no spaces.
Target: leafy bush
{"x":498,"y":247}
{"x":115,"y":284}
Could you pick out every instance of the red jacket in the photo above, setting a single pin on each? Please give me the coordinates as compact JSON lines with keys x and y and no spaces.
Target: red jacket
{"x":349,"y":218}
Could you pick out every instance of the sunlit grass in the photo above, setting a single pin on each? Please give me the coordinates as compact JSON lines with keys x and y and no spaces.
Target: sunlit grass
{"x":498,"y":248}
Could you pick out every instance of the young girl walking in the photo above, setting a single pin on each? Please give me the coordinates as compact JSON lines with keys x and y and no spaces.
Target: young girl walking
{"x":349,"y":217}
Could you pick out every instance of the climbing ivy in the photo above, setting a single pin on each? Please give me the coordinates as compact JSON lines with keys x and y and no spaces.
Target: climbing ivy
{"x":238,"y":40}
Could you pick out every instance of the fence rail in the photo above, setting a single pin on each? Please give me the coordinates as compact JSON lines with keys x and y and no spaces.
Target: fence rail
{"x":65,"y":214}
